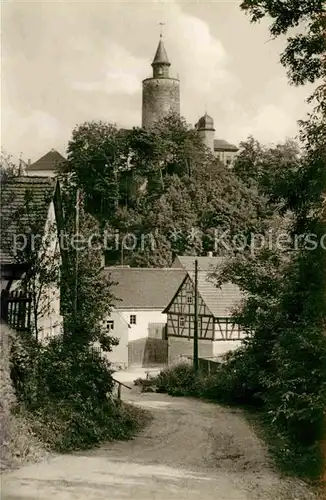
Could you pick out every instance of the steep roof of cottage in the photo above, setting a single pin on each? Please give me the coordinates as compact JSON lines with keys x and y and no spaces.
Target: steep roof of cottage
{"x":144,"y":288}
{"x":15,"y":193}
{"x":48,"y":162}
{"x":222,"y":145}
{"x":220,"y":301}
{"x":161,"y":56}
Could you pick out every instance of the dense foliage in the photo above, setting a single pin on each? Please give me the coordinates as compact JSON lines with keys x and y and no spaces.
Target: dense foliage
{"x":64,"y":387}
{"x":67,"y":394}
{"x":284,"y":361}
{"x":161,"y":188}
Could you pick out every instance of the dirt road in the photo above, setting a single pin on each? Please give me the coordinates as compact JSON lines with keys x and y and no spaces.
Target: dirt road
{"x":191,"y":450}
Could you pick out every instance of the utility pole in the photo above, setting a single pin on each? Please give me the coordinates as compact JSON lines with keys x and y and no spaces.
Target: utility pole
{"x":196,"y":318}
{"x":75,"y":296}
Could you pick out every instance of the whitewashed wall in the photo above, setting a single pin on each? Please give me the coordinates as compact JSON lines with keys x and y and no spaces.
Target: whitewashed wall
{"x":224,"y":346}
{"x":143,"y":318}
{"x":40,"y":173}
{"x":51,"y":322}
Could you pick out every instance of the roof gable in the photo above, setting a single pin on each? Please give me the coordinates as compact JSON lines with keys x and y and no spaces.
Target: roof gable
{"x":48,"y":162}
{"x":220,"y":301}
{"x":144,"y":288}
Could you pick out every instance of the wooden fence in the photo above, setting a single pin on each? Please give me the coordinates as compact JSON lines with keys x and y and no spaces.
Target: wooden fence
{"x":16,"y":310}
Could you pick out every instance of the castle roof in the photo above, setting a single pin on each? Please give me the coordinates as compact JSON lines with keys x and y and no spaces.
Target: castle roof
{"x":206,"y":122}
{"x":161,"y":56}
{"x":222,"y":145}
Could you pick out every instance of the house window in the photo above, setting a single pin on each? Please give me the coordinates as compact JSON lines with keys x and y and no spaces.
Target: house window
{"x":132,"y":319}
{"x":110,"y":325}
{"x":182,"y":321}
{"x":228,"y":160}
{"x":189,"y":297}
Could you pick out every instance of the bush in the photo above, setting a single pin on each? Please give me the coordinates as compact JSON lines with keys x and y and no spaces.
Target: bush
{"x":235,"y":381}
{"x":18,"y":444}
{"x":66,"y":393}
{"x":179,"y":380}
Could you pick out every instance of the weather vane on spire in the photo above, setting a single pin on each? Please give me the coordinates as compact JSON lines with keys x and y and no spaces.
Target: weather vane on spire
{"x":161,"y":29}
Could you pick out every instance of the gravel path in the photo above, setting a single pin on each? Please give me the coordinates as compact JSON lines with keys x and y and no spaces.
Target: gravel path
{"x":191,"y":450}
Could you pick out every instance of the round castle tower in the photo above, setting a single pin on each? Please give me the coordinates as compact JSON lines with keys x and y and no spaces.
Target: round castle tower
{"x":206,"y":130}
{"x":161,"y":93}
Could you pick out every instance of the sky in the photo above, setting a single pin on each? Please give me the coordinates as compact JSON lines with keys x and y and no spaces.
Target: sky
{"x":64,"y":63}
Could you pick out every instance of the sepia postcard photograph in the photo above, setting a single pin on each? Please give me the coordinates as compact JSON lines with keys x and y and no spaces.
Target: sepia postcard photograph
{"x":163,"y":250}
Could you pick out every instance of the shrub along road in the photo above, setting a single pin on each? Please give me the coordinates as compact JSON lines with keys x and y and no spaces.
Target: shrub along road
{"x":191,"y":450}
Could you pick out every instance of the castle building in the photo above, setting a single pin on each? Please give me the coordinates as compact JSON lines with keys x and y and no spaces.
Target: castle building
{"x":161,"y":97}
{"x":161,"y":92}
{"x":221,"y":149}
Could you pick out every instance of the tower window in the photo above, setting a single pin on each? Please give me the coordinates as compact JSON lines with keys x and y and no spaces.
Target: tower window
{"x":160,"y":71}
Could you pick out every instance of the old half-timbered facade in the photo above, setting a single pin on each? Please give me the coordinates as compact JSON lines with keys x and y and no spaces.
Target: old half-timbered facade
{"x":217,"y":332}
{"x":137,"y":319}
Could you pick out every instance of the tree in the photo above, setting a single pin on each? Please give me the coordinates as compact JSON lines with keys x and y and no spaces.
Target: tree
{"x":284,"y":359}
{"x":86,"y":296}
{"x":304,"y":55}
{"x":8,"y":168}
{"x":168,"y":188}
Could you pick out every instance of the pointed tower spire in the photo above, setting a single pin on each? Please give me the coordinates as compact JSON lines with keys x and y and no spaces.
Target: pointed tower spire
{"x":161,"y":61}
{"x":161,"y":56}
{"x":161,"y":93}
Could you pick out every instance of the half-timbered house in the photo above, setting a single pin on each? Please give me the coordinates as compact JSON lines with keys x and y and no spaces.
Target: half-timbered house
{"x":217,"y":332}
{"x":137,"y":319}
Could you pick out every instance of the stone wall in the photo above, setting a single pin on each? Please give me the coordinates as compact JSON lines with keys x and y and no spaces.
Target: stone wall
{"x":179,"y":347}
{"x":147,"y":352}
{"x":185,"y":347}
{"x":161,"y":97}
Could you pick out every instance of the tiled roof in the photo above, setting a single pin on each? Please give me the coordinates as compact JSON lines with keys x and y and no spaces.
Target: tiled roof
{"x":222,"y":145}
{"x":220,"y":301}
{"x":49,"y":161}
{"x":206,"y":122}
{"x":144,"y":288}
{"x":13,"y":197}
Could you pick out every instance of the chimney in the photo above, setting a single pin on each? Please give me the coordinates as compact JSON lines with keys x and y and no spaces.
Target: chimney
{"x":209,"y":254}
{"x":21,"y":169}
